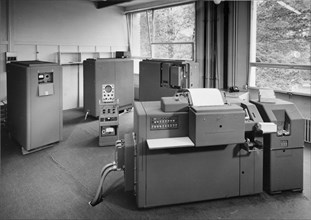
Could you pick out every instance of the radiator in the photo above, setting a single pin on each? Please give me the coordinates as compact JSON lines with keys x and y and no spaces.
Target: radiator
{"x":308,"y":130}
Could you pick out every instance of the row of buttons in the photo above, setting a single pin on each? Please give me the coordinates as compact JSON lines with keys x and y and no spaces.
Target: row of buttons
{"x":164,"y":121}
{"x":113,"y":111}
{"x":164,"y":126}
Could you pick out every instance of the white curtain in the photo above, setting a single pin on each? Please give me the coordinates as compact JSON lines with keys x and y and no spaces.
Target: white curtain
{"x":129,"y":19}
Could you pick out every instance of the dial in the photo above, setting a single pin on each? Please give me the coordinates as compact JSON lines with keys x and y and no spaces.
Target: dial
{"x":108,"y":88}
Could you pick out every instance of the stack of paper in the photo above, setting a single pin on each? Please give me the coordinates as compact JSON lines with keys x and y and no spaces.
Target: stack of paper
{"x":266,"y":95}
{"x":205,"y":97}
{"x":267,"y":127}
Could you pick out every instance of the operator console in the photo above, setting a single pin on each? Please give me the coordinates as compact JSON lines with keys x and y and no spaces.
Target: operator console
{"x":108,"y":116}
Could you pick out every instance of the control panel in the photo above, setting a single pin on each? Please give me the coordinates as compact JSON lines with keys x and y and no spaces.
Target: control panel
{"x":108,"y":93}
{"x":108,"y":116}
{"x":108,"y":109}
{"x":45,"y":84}
{"x":46,"y":77}
{"x":164,"y":123}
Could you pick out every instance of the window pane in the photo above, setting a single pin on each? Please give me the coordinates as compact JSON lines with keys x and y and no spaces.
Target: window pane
{"x":284,"y":79}
{"x":140,"y":42}
{"x":172,"y":51}
{"x":150,"y":17}
{"x":174,"y":24}
{"x":283,"y":32}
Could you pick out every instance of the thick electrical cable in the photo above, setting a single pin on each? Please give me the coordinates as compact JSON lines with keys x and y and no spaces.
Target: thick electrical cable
{"x":106,"y":167}
{"x":98,"y":197}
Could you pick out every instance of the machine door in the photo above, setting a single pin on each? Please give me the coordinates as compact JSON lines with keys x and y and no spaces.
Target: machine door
{"x":191,"y":174}
{"x":45,"y":106}
{"x":251,"y":171}
{"x":286,"y":171}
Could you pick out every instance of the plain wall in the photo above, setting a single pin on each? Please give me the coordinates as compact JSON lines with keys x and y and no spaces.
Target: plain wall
{"x":3,"y":47}
{"x":71,"y":22}
{"x":41,"y":28}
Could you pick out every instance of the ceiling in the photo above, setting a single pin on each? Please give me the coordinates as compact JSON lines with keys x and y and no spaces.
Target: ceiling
{"x":135,"y":2}
{"x":123,"y":3}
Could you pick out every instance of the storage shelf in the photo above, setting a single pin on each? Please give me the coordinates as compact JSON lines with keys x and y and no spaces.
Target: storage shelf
{"x":71,"y":63}
{"x":76,"y":58}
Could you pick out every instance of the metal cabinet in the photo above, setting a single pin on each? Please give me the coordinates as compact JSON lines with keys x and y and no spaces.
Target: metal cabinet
{"x":34,"y":90}
{"x":97,"y":72}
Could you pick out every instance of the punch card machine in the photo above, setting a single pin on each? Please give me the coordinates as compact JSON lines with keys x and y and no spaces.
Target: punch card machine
{"x":185,"y":149}
{"x":108,"y":116}
{"x":283,"y":150}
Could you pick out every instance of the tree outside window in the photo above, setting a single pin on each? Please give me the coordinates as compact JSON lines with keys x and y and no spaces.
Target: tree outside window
{"x":164,"y":33}
{"x":282,"y":56}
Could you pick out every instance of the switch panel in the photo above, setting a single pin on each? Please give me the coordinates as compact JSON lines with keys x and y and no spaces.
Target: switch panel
{"x":164,"y":123}
{"x":108,"y":110}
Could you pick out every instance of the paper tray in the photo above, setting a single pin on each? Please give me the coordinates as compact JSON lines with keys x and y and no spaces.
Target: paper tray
{"x":166,"y":143}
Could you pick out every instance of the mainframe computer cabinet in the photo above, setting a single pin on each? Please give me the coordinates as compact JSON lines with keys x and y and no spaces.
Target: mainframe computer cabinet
{"x":97,"y":72}
{"x":34,"y":92}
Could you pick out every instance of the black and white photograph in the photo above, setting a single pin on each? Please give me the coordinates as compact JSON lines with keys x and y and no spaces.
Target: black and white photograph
{"x":155,"y":109}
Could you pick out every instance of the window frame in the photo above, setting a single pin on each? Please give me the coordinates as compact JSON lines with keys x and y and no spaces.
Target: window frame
{"x":253,"y":64}
{"x":150,"y":36}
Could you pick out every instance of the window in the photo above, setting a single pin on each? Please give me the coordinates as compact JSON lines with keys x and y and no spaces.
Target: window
{"x":173,"y":32}
{"x":280,"y":45}
{"x":140,"y":42}
{"x":164,"y":33}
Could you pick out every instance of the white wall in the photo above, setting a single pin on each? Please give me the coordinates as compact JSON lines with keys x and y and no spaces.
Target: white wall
{"x":3,"y":47}
{"x":67,"y":22}
{"x":41,"y":28}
